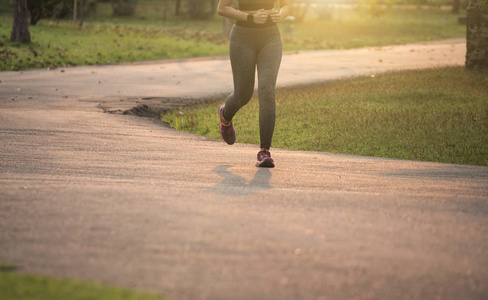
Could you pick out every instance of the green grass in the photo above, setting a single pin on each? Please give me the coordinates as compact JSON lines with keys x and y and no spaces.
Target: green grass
{"x":438,"y":115}
{"x":33,"y":287}
{"x":59,"y":44}
{"x":7,"y":268}
{"x":145,"y":36}
{"x":353,"y":28}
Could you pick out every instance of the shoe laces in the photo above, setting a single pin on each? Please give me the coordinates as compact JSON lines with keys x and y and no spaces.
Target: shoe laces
{"x":264,"y":153}
{"x":227,"y":128}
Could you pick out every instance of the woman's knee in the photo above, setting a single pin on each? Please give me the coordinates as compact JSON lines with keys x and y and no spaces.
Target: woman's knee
{"x":243,"y":97}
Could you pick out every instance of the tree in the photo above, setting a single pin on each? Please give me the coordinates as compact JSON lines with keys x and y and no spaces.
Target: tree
{"x":456,"y":5}
{"x":81,"y":12}
{"x":40,"y":9}
{"x":60,"y":9}
{"x":201,"y":9}
{"x":20,"y":29}
{"x":299,"y":9}
{"x":177,"y":8}
{"x":477,"y":35}
{"x":165,"y":10}
{"x":124,"y":7}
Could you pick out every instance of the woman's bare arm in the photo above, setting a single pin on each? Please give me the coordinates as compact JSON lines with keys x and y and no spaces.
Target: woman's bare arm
{"x":278,"y":16}
{"x":285,"y":8}
{"x":225,"y":9}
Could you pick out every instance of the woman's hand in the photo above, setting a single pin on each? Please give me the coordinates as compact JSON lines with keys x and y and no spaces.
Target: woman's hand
{"x":275,"y":15}
{"x":260,"y":16}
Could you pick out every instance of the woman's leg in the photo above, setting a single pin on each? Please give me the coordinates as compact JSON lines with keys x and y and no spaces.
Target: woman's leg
{"x":268,"y":61}
{"x":242,"y":53}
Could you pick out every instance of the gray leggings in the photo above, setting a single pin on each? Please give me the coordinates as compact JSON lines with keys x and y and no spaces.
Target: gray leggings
{"x":250,"y":47}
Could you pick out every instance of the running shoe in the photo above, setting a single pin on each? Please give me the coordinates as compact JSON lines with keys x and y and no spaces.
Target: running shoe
{"x":227,"y":131}
{"x":264,"y":159}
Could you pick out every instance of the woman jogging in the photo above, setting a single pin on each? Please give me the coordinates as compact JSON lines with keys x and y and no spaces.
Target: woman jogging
{"x":254,"y":41}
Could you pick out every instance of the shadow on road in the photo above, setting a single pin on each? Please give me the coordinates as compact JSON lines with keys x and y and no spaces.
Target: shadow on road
{"x":236,"y":185}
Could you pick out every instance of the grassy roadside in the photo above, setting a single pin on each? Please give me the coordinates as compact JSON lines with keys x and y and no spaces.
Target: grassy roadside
{"x":354,"y":28}
{"x":105,"y":39}
{"x":30,"y":287}
{"x":61,"y":45}
{"x":438,"y":115}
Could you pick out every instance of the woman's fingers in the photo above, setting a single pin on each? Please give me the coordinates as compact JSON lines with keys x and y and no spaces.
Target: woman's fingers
{"x":275,"y":15}
{"x":260,"y":16}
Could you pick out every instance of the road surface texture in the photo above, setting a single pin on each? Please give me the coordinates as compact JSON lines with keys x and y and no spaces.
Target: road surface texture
{"x":90,"y":193}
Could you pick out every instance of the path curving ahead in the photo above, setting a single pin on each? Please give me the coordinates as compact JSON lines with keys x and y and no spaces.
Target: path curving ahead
{"x":119,"y":199}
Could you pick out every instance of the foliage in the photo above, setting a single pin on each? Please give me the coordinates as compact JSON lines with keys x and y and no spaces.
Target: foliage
{"x":30,"y":287}
{"x":436,"y":115}
{"x":476,"y":36}
{"x":376,"y":8}
{"x":42,"y":9}
{"x":145,"y":36}
{"x":299,"y":9}
{"x":7,"y":267}
{"x":353,"y":28}
{"x":5,"y":6}
{"x":124,"y":7}
{"x":201,"y":9}
{"x":56,"y":9}
{"x":61,"y":45}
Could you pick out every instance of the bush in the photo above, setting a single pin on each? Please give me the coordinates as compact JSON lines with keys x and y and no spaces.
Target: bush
{"x":201,"y":9}
{"x":57,"y":9}
{"x":5,"y":6}
{"x":124,"y":7}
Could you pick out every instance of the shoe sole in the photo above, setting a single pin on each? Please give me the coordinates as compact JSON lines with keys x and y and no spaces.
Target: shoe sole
{"x":266,"y":163}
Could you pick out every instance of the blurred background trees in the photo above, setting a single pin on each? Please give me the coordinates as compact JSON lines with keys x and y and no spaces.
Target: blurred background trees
{"x":304,"y":12}
{"x":206,"y":9}
{"x":63,"y":9}
{"x":477,"y":35}
{"x":59,"y":9}
{"x":124,"y":7}
{"x":201,"y":9}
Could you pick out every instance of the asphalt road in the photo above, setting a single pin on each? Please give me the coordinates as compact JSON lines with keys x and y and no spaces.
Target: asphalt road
{"x":89,"y":193}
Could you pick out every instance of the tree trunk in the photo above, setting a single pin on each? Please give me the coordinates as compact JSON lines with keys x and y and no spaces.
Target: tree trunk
{"x":177,"y":8}
{"x":20,"y":29}
{"x":477,"y":35}
{"x":196,"y":9}
{"x":82,"y":13}
{"x":75,"y":12}
{"x":201,"y":9}
{"x":165,"y":10}
{"x":213,"y":9}
{"x":456,"y":5}
{"x":35,"y":11}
